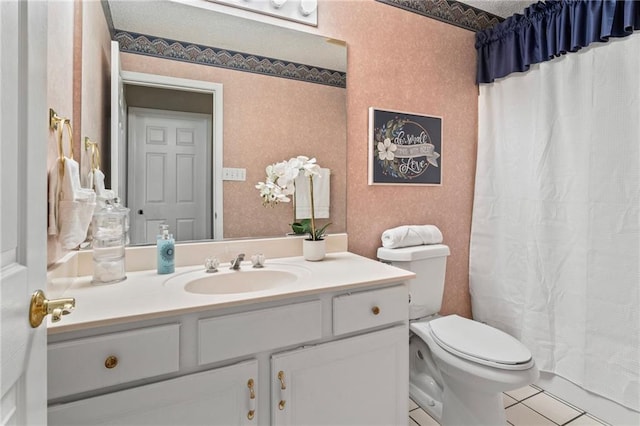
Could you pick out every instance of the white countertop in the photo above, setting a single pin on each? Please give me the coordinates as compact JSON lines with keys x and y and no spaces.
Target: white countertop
{"x":146,"y":295}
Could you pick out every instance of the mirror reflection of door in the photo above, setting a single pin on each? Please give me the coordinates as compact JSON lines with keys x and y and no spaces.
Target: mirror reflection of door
{"x":169,"y":174}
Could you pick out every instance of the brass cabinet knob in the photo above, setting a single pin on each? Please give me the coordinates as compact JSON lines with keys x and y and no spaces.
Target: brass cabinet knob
{"x":375,"y":310}
{"x":283,"y":387}
{"x":111,"y":361}
{"x":252,"y":400}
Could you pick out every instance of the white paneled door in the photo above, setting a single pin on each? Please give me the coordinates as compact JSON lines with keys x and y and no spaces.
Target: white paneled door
{"x":169,"y":177}
{"x":23,"y":212}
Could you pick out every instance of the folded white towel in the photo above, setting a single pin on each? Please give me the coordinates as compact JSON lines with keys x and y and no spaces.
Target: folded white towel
{"x":321,"y":195}
{"x":411,"y":235}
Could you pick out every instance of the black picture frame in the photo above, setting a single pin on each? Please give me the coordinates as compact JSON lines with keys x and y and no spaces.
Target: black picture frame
{"x":404,"y":148}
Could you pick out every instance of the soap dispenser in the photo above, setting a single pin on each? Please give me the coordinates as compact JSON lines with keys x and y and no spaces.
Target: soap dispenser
{"x":166,"y":251}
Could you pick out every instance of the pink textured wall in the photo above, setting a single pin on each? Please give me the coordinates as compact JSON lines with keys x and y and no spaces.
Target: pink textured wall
{"x":96,"y":82}
{"x":72,"y":26}
{"x":402,"y":61}
{"x":60,"y":75}
{"x":267,"y":120}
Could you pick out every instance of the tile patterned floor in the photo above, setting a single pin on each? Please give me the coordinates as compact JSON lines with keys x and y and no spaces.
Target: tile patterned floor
{"x":528,"y":406}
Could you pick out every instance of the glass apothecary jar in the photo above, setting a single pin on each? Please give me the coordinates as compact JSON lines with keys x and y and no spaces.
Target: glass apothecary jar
{"x":109,"y":234}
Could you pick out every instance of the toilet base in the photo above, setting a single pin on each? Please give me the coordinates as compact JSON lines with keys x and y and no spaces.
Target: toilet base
{"x":475,"y":409}
{"x":428,"y":404}
{"x":465,"y":406}
{"x":425,"y":383}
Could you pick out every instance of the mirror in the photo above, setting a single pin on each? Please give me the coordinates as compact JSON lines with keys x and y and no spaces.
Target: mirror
{"x":266,"y":118}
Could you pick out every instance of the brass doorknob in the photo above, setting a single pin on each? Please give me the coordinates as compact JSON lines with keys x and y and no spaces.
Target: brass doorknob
{"x":40,"y":307}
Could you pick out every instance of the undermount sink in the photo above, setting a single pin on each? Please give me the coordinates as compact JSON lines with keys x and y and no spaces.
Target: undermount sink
{"x":230,"y":282}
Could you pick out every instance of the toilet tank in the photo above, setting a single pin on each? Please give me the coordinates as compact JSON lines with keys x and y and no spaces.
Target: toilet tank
{"x":429,"y":263}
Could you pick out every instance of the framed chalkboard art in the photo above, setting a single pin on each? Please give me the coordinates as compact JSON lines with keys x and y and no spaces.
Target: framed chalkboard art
{"x":404,"y":148}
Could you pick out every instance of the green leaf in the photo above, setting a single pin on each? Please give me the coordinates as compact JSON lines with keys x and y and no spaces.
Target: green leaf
{"x":298,"y":228}
{"x":320,"y":232}
{"x":304,"y":227}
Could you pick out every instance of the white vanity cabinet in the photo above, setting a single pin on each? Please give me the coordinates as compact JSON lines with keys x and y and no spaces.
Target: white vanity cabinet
{"x":222,"y":396}
{"x":337,"y":357}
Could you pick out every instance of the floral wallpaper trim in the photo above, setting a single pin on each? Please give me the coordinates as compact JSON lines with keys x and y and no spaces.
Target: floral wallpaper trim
{"x":449,"y":11}
{"x":212,"y":56}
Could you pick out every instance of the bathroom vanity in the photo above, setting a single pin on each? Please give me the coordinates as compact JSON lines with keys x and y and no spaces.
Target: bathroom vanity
{"x":329,"y":347}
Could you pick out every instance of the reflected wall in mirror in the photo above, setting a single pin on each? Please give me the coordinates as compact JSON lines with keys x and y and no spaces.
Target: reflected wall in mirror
{"x":266,"y":118}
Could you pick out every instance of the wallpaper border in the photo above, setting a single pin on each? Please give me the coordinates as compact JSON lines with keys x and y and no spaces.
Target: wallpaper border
{"x":449,"y":11}
{"x":148,"y":45}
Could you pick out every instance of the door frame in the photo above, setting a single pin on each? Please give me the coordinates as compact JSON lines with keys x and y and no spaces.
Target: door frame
{"x":186,"y":85}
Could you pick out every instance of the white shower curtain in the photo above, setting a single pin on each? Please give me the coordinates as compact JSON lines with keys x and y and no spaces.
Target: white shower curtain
{"x":555,"y":241}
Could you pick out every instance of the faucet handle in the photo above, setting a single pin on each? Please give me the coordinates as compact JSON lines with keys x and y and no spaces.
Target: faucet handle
{"x":211,"y":264}
{"x":258,"y":260}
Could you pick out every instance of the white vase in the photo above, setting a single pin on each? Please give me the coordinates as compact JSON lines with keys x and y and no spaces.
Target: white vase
{"x":314,"y":250}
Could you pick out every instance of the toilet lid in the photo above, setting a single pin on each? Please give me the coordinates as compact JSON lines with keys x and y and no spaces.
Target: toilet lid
{"x":480,"y":343}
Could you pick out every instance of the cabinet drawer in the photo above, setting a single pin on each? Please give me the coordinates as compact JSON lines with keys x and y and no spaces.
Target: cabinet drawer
{"x":97,"y":362}
{"x":367,"y":309}
{"x":247,"y":333}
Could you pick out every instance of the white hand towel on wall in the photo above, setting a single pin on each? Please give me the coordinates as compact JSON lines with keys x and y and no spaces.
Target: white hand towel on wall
{"x":75,"y":217}
{"x":70,"y":206}
{"x":321,"y":195}
{"x":98,"y":182}
{"x":411,"y":235}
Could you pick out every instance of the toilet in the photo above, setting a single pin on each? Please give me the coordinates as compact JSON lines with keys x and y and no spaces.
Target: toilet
{"x":458,"y":368}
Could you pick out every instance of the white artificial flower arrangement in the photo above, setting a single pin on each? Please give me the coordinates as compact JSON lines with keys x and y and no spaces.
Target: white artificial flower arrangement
{"x":280,"y":184}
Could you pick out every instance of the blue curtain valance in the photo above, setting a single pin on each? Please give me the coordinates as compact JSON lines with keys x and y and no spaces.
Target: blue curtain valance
{"x":549,"y":29}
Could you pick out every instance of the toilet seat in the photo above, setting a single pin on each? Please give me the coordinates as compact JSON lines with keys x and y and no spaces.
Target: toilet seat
{"x":476,"y":342}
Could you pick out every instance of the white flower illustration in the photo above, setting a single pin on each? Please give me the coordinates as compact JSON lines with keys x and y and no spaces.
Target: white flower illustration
{"x":386,"y":149}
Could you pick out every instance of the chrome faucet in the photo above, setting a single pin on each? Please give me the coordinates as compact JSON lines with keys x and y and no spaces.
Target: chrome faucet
{"x":235,"y":263}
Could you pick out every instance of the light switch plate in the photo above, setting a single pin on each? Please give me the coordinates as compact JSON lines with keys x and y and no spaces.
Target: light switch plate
{"x":232,"y":173}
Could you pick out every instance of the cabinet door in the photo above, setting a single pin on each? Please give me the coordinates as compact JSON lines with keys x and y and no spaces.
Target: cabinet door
{"x":360,"y":380}
{"x":216,"y":397}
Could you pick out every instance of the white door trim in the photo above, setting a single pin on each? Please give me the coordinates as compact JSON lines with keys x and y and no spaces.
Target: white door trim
{"x":118,"y":125}
{"x":215,"y":89}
